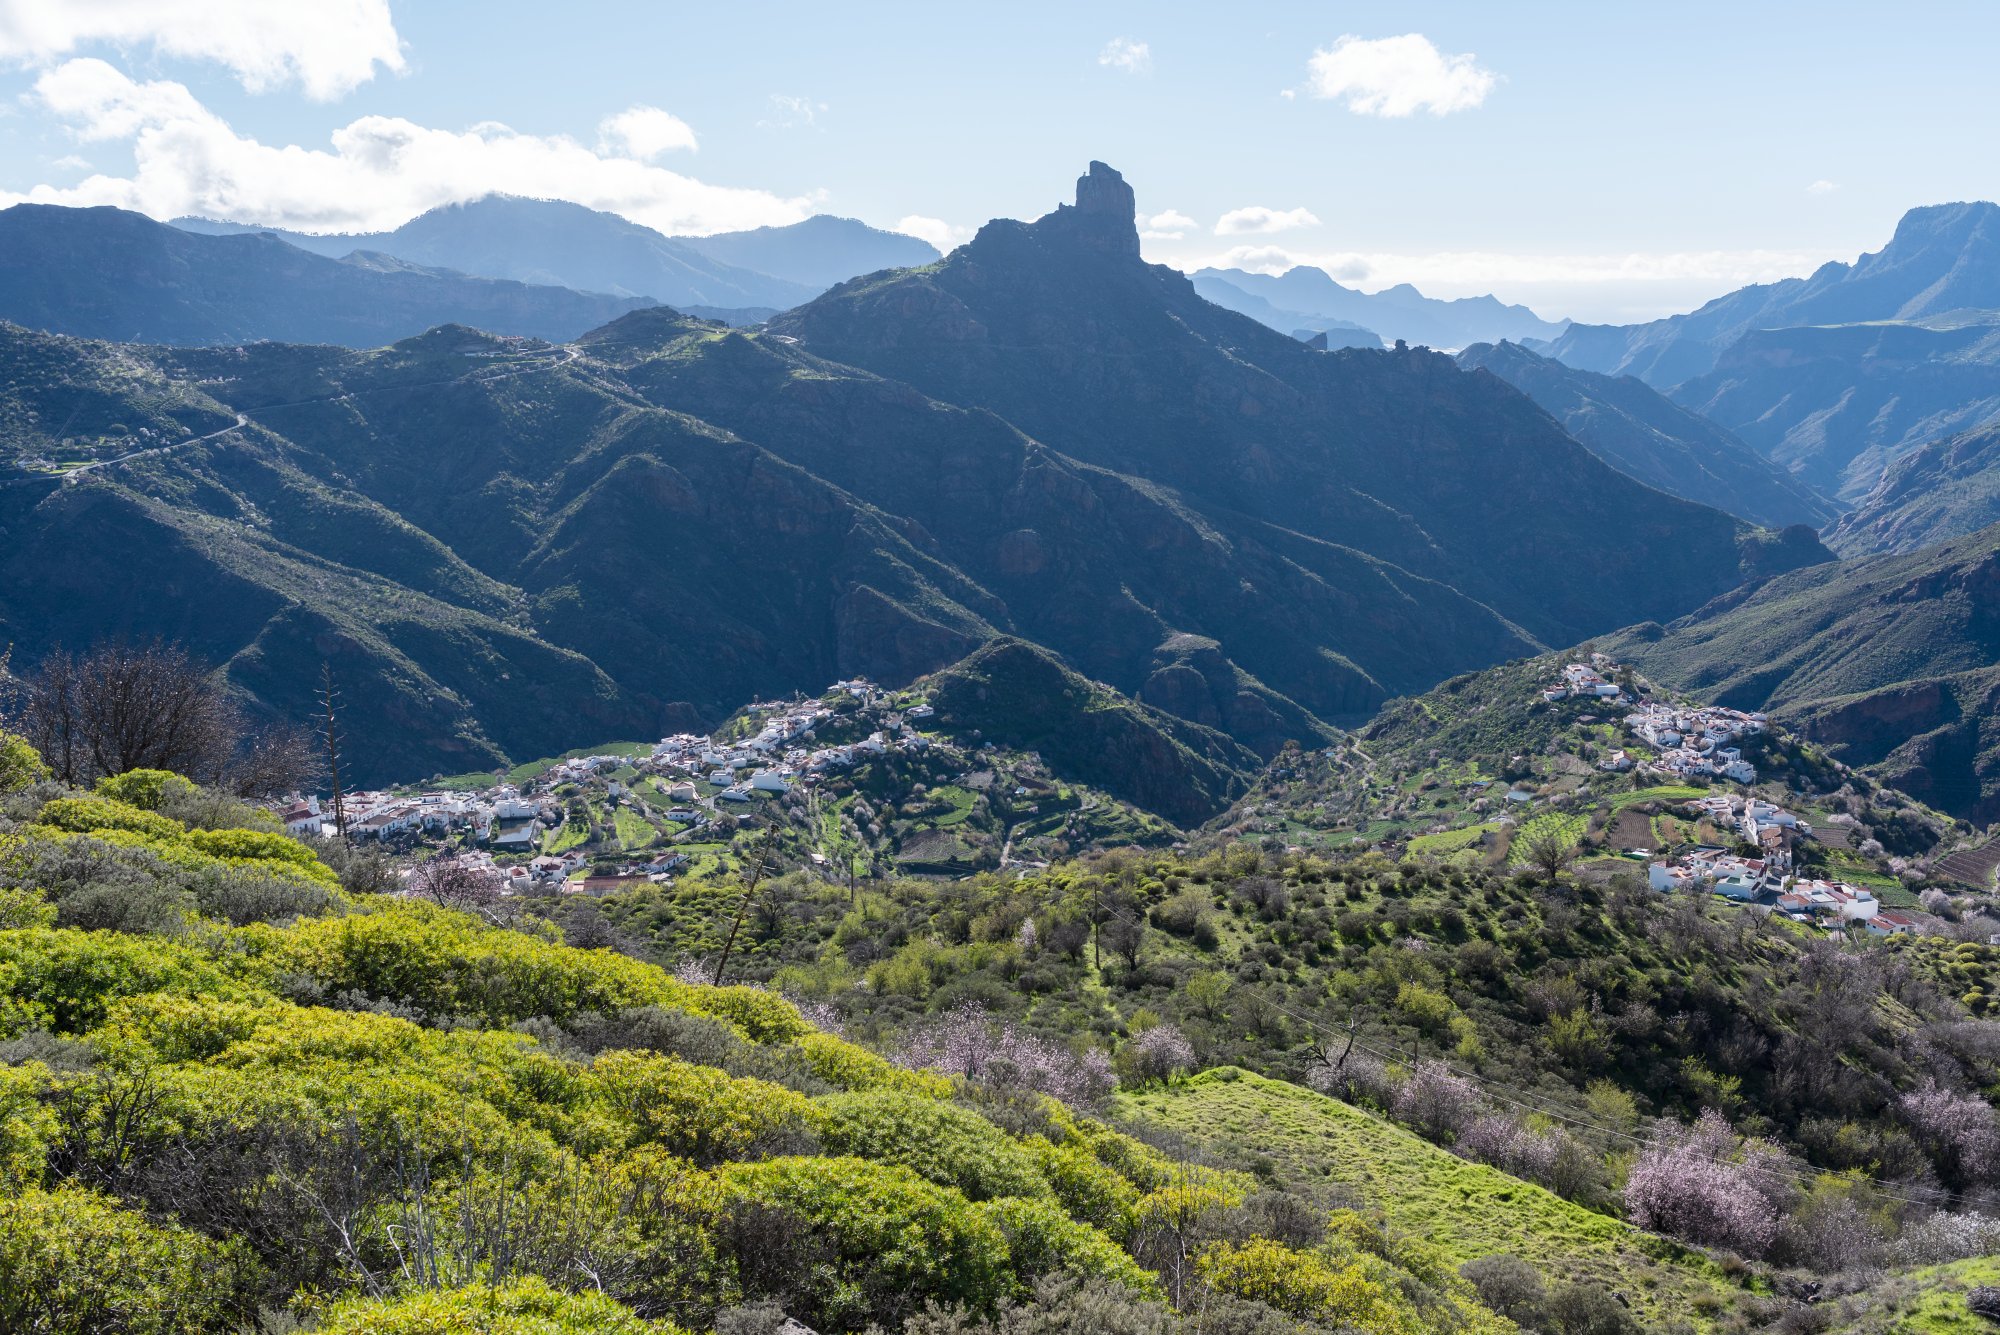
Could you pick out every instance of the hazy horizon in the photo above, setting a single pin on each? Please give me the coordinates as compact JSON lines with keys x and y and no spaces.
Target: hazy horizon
{"x":1432,"y":144}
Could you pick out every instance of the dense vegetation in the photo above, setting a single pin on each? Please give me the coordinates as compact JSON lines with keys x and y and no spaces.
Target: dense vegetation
{"x":238,"y":1096}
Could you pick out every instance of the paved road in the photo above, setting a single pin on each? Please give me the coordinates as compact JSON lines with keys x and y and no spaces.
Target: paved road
{"x":481,"y":374}
{"x":74,"y":473}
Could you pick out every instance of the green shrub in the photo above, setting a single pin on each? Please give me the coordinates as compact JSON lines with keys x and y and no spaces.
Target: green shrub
{"x":886,"y":1241}
{"x":940,"y":1141}
{"x":1337,"y":1292}
{"x":695,"y":1112}
{"x":95,"y":883}
{"x":1088,"y":1188}
{"x":73,"y":1262}
{"x":1042,"y":1240}
{"x":63,"y":980}
{"x":260,"y":846}
{"x":20,"y":764}
{"x":848,"y":1066}
{"x":144,"y":788}
{"x":86,"y":815}
{"x":449,"y":963}
{"x":526,"y":1306}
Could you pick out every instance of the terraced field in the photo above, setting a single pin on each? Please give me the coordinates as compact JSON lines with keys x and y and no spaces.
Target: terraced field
{"x":1973,"y":866}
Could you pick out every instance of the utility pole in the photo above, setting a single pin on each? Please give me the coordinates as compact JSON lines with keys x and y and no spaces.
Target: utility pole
{"x":756,"y":873}
{"x":329,"y":700}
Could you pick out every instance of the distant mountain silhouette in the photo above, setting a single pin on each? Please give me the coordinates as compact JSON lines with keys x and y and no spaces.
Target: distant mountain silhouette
{"x":817,"y":253}
{"x":1642,"y":434}
{"x":553,"y":242}
{"x":1397,"y":312}
{"x":107,"y":273}
{"x":568,"y":245}
{"x":1944,"y":257}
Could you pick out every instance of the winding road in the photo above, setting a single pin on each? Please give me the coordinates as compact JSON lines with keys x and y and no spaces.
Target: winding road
{"x":482,"y":374}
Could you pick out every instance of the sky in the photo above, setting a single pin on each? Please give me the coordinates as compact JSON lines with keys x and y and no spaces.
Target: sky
{"x":1598,"y":161}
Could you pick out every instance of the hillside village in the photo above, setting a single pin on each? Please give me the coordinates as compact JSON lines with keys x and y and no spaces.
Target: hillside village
{"x":860,"y":780}
{"x":857,"y":780}
{"x":1583,"y":752}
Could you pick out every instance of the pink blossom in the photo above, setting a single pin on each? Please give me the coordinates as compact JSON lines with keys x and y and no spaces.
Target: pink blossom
{"x":1689,"y":1184}
{"x":970,"y":1043}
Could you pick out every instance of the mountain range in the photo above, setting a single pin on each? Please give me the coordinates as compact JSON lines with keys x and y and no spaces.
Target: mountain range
{"x":506,"y":547}
{"x":1645,"y":435}
{"x":555,"y":243}
{"x":1838,"y":404}
{"x":1307,"y":298}
{"x":110,"y":274}
{"x":1944,"y":257}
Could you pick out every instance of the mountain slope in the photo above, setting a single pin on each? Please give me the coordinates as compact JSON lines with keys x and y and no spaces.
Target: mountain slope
{"x":1023,"y":697}
{"x":1467,"y":1209}
{"x":1106,"y":568}
{"x":1397,"y":312}
{"x":106,"y":273}
{"x":1837,"y":404}
{"x":1647,"y":437}
{"x":1888,"y":659}
{"x":1943,"y":490}
{"x":1060,"y":328}
{"x":461,"y":526}
{"x":1944,"y":257}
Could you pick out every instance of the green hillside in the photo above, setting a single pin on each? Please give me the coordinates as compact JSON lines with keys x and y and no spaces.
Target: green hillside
{"x":1421,"y":1191}
{"x":238,"y":1095}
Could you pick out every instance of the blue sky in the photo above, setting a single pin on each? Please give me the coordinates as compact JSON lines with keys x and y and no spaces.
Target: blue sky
{"x":1603,"y":160}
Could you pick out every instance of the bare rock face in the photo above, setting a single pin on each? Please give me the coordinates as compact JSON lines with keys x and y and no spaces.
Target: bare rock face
{"x":1104,"y":217}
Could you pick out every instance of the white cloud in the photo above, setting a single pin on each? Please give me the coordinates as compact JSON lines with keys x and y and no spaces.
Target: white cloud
{"x":70,"y":162}
{"x":1398,"y":76}
{"x":381,"y":170}
{"x":1257,"y":219}
{"x":1257,"y":259}
{"x":1171,"y":225}
{"x":945,"y":236}
{"x":327,"y":47}
{"x":644,"y":133}
{"x":1122,"y":53}
{"x":1822,"y":187}
{"x":789,"y":113}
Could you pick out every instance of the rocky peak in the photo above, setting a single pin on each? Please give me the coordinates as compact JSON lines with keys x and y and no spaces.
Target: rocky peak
{"x":1104,"y":217}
